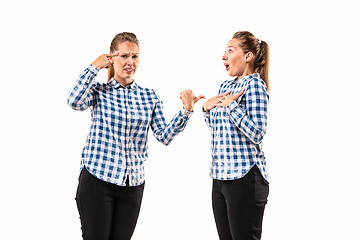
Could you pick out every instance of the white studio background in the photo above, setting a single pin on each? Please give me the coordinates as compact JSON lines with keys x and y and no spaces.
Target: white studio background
{"x":311,"y":144}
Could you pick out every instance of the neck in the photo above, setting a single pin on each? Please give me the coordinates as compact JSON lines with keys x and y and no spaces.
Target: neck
{"x":246,"y":73}
{"x":123,"y":81}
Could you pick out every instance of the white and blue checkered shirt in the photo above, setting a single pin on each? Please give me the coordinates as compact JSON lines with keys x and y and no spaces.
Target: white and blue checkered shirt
{"x":238,"y":130}
{"x":116,"y":146}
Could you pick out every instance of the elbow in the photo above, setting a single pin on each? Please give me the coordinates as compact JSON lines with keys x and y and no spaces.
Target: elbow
{"x":75,"y":106}
{"x":255,"y":133}
{"x":258,"y":136}
{"x":166,"y":142}
{"x":161,"y":139}
{"x":165,"y":137}
{"x":70,"y":103}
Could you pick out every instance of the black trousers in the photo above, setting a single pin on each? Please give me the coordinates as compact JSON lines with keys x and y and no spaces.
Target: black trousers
{"x":107,"y":211}
{"x":239,"y":205}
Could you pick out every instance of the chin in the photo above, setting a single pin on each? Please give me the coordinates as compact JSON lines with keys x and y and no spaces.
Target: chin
{"x":128,"y":77}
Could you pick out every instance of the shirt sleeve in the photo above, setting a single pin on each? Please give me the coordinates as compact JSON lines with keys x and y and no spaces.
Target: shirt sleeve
{"x":251,"y":119}
{"x":207,"y":118}
{"x":82,"y":96}
{"x":163,"y":132}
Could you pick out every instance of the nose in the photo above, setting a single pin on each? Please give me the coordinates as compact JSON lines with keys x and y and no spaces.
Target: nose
{"x":130,"y":61}
{"x":224,"y":57}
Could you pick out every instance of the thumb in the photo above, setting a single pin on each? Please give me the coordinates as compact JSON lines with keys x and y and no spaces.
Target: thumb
{"x":198,"y":98}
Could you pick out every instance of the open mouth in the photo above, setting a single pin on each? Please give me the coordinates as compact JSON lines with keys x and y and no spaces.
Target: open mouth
{"x":227,"y":67}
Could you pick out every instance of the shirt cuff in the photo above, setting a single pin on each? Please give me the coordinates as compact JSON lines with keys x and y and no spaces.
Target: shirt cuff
{"x":186,"y":113}
{"x":93,"y":69}
{"x":236,"y":112}
{"x":232,"y":106}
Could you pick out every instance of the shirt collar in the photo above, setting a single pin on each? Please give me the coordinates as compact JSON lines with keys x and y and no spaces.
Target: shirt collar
{"x":254,"y":75}
{"x":117,"y":85}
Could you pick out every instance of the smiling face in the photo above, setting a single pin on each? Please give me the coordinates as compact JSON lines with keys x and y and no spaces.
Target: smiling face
{"x":125,"y":65}
{"x":237,"y":63}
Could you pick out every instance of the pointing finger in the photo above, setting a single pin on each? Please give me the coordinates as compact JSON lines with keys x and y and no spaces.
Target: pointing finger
{"x":112,"y":55}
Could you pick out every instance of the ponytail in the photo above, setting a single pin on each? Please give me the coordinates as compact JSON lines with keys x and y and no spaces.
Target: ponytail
{"x":261,"y":63}
{"x":111,"y":72}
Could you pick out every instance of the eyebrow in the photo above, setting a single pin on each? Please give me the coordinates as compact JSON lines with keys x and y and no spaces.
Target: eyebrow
{"x":228,"y":47}
{"x":129,"y":53}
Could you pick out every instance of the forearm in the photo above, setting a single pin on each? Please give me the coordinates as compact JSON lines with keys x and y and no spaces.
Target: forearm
{"x":254,"y":130}
{"x":165,"y":133}
{"x":207,"y":118}
{"x":81,"y":97}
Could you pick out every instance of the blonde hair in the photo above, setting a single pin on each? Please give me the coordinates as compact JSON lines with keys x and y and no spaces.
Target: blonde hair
{"x":260,"y":49}
{"x":119,"y":38}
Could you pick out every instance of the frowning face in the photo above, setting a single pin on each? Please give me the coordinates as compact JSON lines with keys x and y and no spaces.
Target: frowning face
{"x":126,"y":63}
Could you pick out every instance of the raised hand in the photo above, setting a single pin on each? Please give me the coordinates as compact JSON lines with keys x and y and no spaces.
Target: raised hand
{"x":104,"y":61}
{"x":188,"y":98}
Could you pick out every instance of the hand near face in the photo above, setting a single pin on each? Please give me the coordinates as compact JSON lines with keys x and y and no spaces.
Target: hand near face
{"x":188,"y":98}
{"x":104,"y":61}
{"x":221,"y":100}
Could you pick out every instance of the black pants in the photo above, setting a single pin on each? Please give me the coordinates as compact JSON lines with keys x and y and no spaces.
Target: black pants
{"x":239,"y":205}
{"x":107,"y":211}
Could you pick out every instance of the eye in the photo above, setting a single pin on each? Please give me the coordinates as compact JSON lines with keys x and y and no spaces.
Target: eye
{"x":124,"y":56}
{"x":135,"y":57}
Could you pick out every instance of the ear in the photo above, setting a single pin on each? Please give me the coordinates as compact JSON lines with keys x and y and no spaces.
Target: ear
{"x":249,"y":56}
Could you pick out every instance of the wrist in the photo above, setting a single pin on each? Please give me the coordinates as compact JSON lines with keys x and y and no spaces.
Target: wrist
{"x":189,"y":109}
{"x":95,"y":65}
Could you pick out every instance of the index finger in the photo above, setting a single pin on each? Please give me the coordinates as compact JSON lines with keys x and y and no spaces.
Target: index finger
{"x":112,"y":55}
{"x":224,"y":94}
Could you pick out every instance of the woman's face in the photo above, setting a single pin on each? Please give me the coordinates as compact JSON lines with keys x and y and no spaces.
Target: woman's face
{"x":125,"y":65}
{"x":234,"y":58}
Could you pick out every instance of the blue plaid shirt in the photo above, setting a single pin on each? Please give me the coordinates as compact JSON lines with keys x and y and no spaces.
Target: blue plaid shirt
{"x":116,"y":146}
{"x":238,"y":130}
